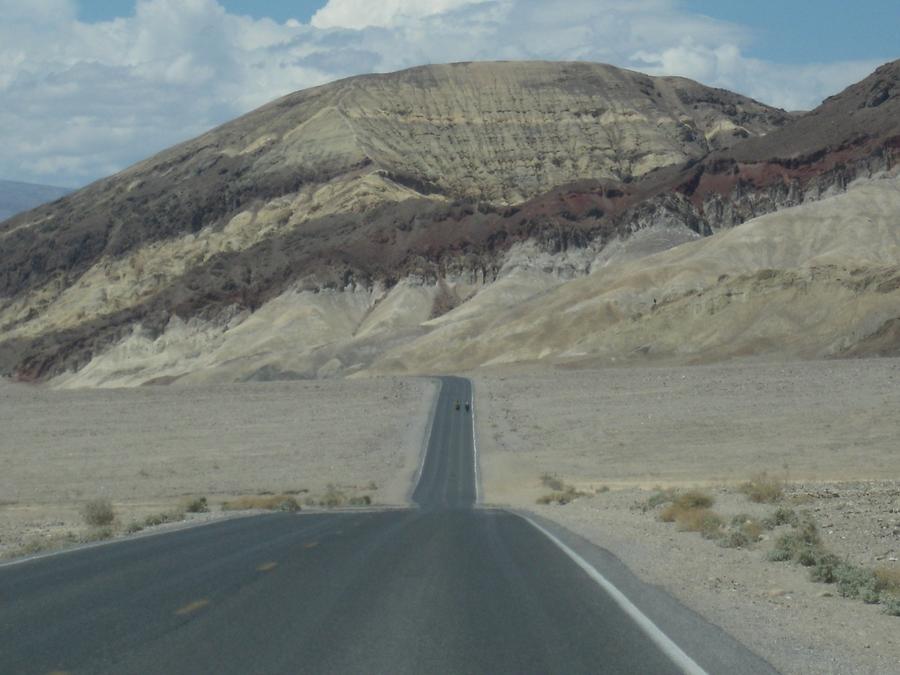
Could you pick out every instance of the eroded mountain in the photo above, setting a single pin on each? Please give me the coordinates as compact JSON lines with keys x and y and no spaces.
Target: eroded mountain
{"x":337,"y":223}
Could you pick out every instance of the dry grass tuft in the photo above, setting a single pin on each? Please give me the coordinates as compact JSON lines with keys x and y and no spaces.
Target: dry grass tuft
{"x":196,"y":505}
{"x":98,"y":513}
{"x":552,"y":481}
{"x":887,"y":579}
{"x":562,"y":493}
{"x":266,"y":502}
{"x":705,"y":521}
{"x":763,"y":488}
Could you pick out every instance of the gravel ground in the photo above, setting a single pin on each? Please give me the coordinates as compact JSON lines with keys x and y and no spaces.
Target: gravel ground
{"x":148,"y":450}
{"x":829,"y":429}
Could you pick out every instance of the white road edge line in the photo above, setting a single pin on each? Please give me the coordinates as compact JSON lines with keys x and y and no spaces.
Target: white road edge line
{"x":474,"y":444}
{"x":650,"y":629}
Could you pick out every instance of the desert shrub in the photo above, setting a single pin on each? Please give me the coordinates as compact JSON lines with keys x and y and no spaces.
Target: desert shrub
{"x":658,"y":498}
{"x":96,"y":534}
{"x":801,"y":544}
{"x":173,"y":516}
{"x":856,"y":582}
{"x":781,"y":516}
{"x":363,"y":500}
{"x":134,"y":526}
{"x":694,"y":499}
{"x":197,"y":505}
{"x":267,"y":502}
{"x":824,"y":568}
{"x":332,"y":497}
{"x":288,"y":504}
{"x":601,"y":490}
{"x":563,"y":497}
{"x":744,"y":532}
{"x":763,"y":488}
{"x":735,"y":539}
{"x":888,"y":579}
{"x":891,"y":606}
{"x":98,"y":513}
{"x":705,"y":521}
{"x":553,"y":482}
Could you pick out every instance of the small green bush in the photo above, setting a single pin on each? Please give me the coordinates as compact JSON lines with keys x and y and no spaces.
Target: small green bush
{"x":288,"y":504}
{"x":824,"y":568}
{"x":744,"y":532}
{"x":658,"y":498}
{"x":364,"y":500}
{"x":197,"y":505}
{"x":735,"y":539}
{"x":802,"y":544}
{"x":856,"y":582}
{"x":134,"y":526}
{"x":332,"y":497}
{"x":781,"y":516}
{"x":891,"y":606}
{"x":98,"y":513}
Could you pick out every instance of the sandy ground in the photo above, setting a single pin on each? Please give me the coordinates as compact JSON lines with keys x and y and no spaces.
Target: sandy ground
{"x":147,"y":450}
{"x":830,"y":428}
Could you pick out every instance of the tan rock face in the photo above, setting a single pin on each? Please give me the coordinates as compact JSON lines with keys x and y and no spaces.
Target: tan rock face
{"x":367,"y":217}
{"x":505,"y":131}
{"x":508,"y":131}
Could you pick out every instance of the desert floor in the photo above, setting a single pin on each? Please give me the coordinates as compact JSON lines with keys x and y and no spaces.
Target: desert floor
{"x":829,"y":429}
{"x":148,"y":450}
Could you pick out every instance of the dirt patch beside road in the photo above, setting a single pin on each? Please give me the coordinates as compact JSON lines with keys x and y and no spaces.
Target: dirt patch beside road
{"x":149,"y":450}
{"x":828,"y":428}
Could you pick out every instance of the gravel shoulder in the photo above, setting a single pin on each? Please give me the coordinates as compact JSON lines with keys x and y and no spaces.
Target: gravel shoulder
{"x":150,"y":450}
{"x":828,"y":428}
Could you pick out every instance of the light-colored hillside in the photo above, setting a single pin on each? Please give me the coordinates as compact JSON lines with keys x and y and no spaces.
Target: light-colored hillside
{"x":805,"y":282}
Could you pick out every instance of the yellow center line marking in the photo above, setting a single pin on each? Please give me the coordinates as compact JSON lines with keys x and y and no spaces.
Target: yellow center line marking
{"x":265,"y":567}
{"x":311,"y":544}
{"x":192,"y":607}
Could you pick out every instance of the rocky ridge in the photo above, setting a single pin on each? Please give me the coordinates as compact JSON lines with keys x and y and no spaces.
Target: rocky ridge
{"x":410,"y":191}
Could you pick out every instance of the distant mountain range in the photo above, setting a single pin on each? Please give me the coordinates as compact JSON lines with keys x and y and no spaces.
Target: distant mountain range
{"x":471,"y":215}
{"x":16,"y":197}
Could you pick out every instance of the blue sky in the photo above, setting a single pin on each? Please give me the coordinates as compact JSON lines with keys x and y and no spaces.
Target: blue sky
{"x":801,"y":31}
{"x":279,"y":10}
{"x":82,"y":96}
{"x":789,"y":31}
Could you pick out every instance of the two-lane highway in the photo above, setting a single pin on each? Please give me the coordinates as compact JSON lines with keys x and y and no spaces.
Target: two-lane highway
{"x":442,"y":588}
{"x":448,"y":473}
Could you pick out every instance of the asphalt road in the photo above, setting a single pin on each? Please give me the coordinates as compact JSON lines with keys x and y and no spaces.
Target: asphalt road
{"x":442,"y":588}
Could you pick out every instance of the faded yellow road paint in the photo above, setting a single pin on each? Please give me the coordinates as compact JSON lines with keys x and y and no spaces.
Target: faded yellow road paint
{"x":311,"y":544}
{"x":265,"y":567}
{"x":192,"y":607}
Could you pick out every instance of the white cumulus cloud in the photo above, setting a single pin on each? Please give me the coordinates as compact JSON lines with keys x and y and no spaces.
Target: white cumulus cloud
{"x":82,"y":100}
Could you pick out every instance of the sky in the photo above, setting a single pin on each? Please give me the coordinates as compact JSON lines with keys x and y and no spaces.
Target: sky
{"x":88,"y":87}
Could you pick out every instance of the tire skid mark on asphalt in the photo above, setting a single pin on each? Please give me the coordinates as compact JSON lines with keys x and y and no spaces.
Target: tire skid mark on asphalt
{"x":267,"y":566}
